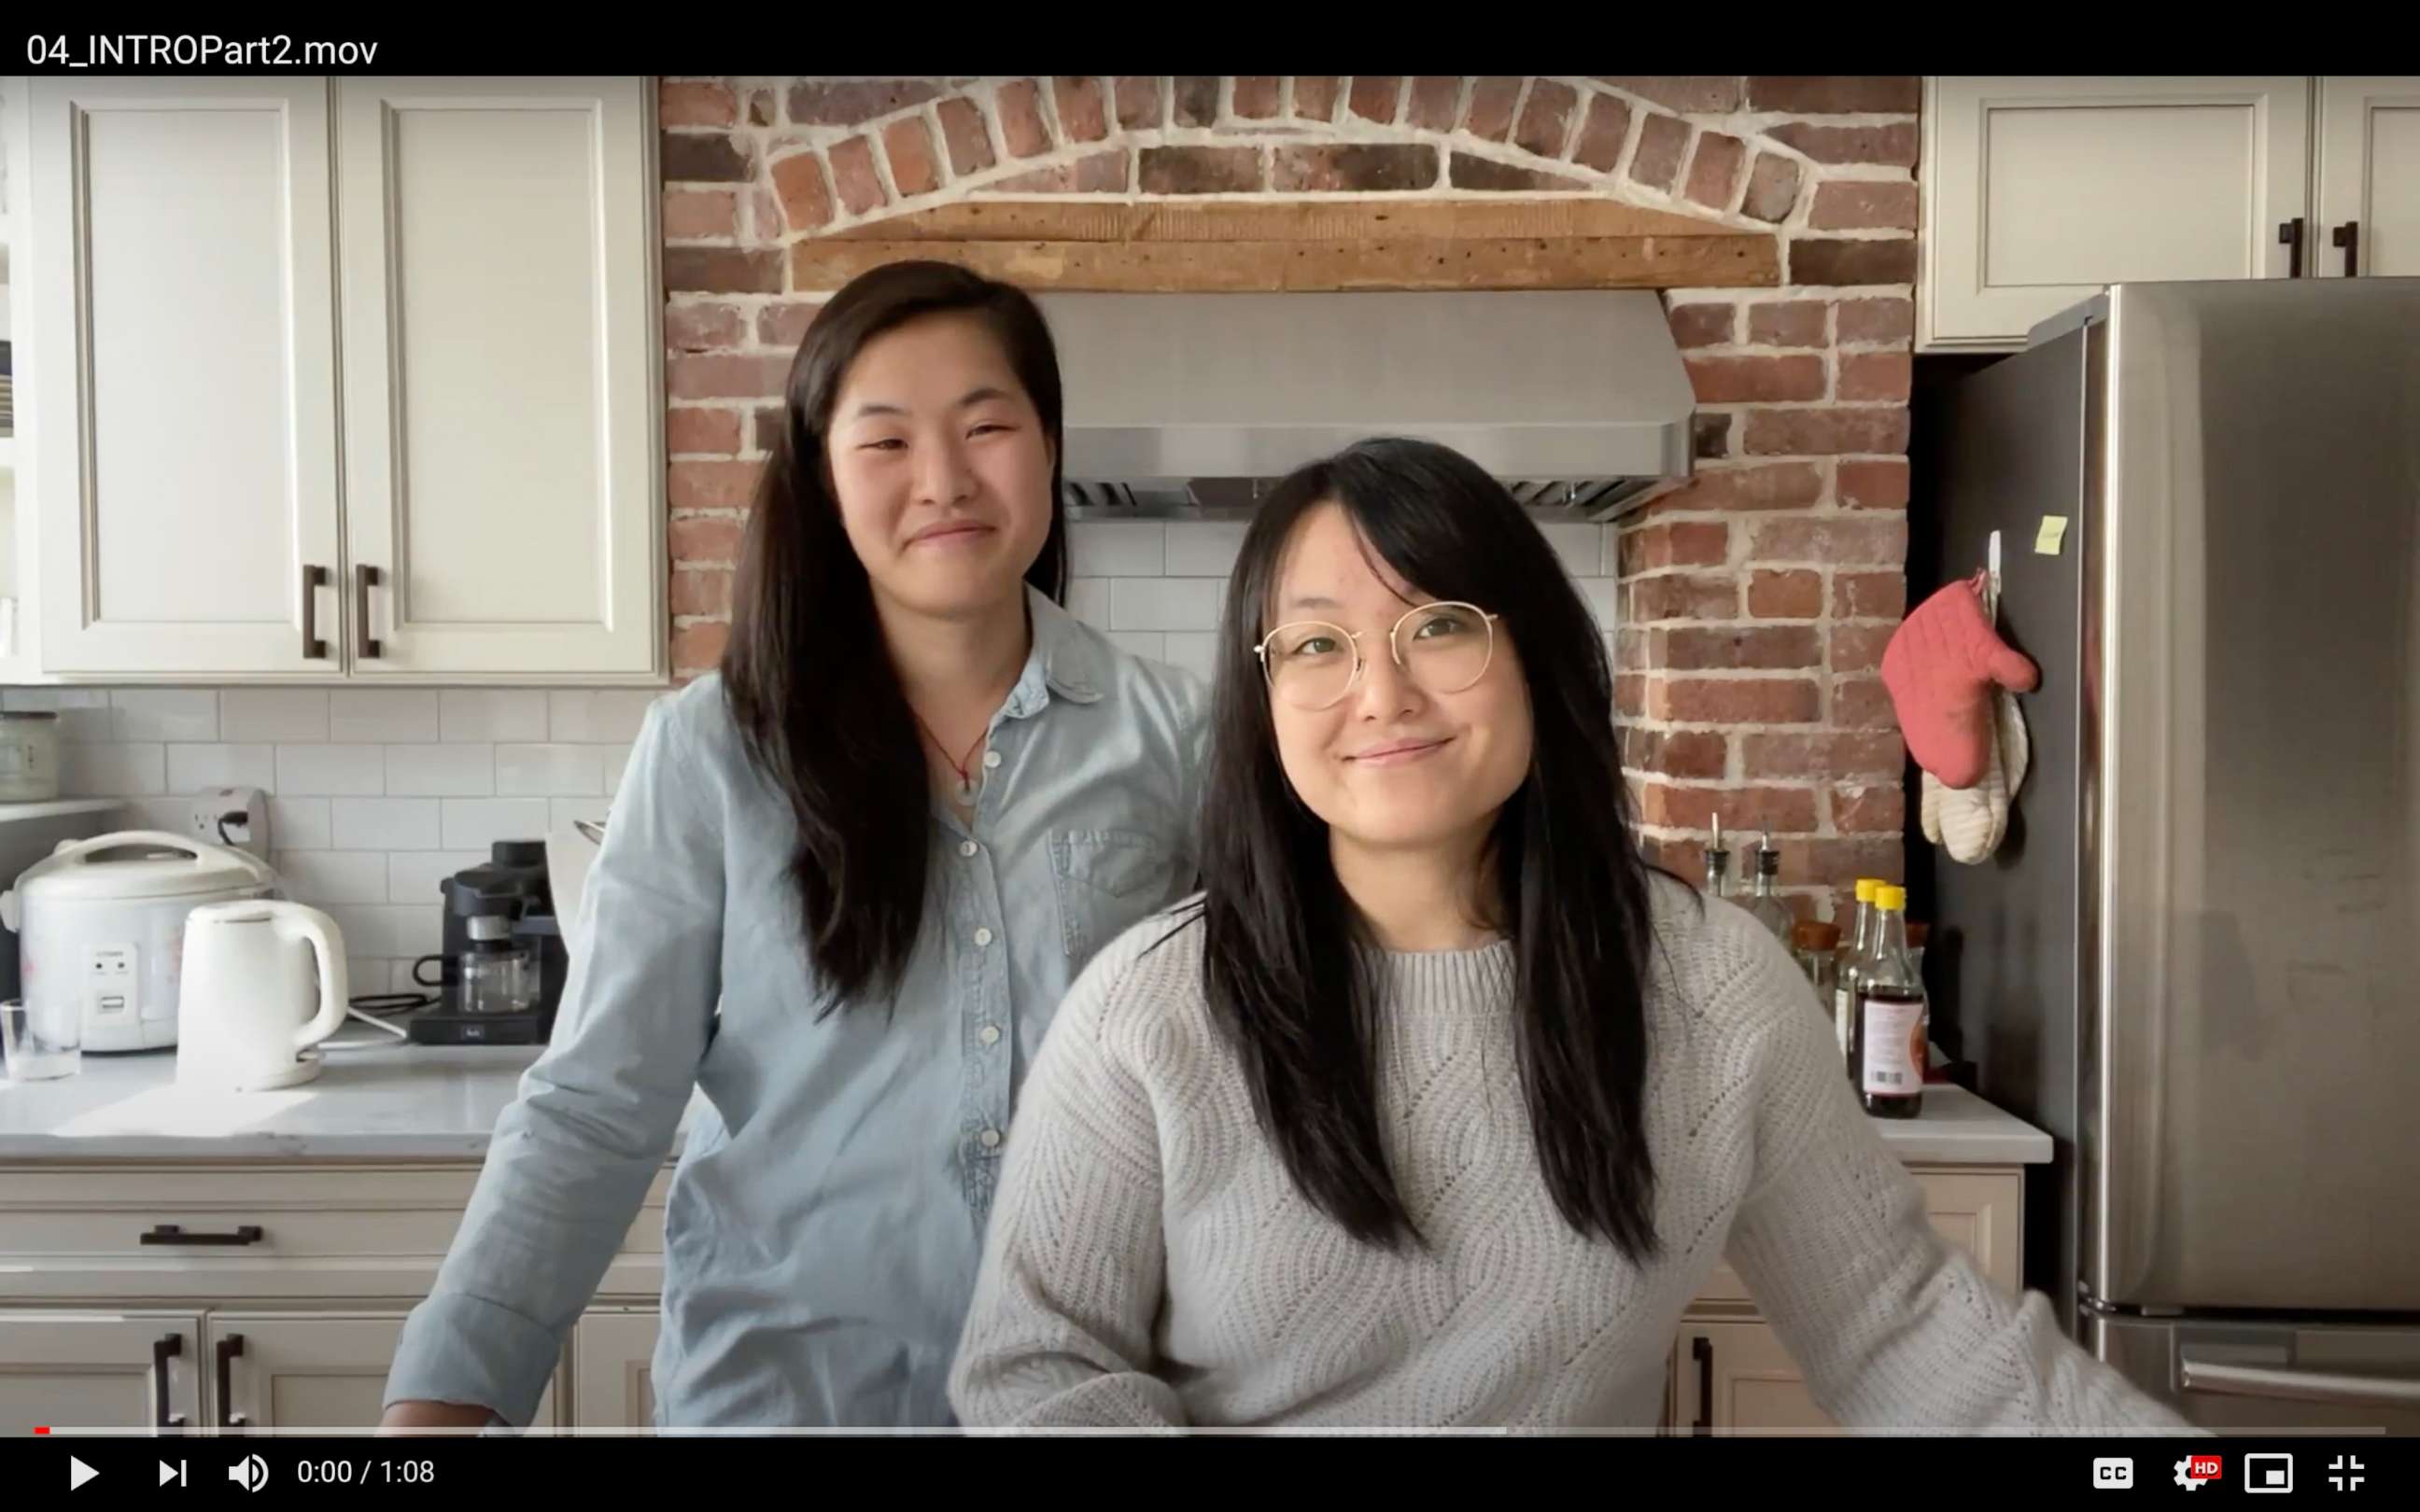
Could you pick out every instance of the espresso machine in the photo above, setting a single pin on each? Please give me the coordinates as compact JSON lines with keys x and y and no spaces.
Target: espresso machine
{"x":500,"y":977}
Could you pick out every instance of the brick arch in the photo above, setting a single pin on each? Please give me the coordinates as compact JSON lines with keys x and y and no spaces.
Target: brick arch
{"x":1753,"y":602}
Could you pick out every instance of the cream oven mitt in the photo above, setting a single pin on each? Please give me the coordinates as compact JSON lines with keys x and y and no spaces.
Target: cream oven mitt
{"x":1970,"y":823}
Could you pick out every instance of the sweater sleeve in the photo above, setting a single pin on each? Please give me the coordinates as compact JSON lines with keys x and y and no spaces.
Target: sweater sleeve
{"x":1059,"y":1334}
{"x":1895,"y":1328}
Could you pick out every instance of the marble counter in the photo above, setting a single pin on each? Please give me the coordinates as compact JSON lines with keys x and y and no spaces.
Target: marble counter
{"x":383,"y":1100}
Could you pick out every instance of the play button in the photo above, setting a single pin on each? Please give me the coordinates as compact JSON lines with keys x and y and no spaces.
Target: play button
{"x":78,"y":1472}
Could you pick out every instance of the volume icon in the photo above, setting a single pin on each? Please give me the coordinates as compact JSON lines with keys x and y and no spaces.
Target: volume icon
{"x":251,"y":1473}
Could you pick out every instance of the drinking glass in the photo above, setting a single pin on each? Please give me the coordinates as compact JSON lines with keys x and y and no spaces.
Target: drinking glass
{"x":40,"y":1044}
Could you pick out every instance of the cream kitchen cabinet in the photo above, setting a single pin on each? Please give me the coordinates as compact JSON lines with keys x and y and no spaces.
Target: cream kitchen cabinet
{"x":613,"y":1355}
{"x":2368,"y":193}
{"x":216,"y":1298}
{"x":351,"y":378}
{"x":2038,"y":191}
{"x":1730,"y":1371}
{"x":307,"y":1370}
{"x":102,"y":1370}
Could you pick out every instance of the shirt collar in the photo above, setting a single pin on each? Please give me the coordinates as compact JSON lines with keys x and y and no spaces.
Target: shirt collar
{"x":1064,"y":659}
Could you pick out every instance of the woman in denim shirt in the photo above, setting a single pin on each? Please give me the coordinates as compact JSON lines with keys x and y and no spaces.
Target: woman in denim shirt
{"x":847,"y":881}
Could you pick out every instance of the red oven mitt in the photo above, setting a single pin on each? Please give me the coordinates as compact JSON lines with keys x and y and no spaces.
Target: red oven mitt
{"x":1940,"y":668}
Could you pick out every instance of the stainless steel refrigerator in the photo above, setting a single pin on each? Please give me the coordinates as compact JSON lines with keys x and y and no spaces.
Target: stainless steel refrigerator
{"x":2196,"y":958}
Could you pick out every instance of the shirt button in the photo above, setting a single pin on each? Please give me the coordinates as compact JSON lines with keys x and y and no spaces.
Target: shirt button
{"x":989,"y":1138}
{"x":982,"y":936}
{"x":989,"y":1034}
{"x":991,"y":759}
{"x":968,"y":847}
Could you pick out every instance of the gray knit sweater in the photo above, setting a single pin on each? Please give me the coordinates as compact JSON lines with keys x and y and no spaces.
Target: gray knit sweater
{"x":1149,"y":1261}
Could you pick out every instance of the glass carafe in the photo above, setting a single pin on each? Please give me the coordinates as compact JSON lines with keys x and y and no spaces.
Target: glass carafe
{"x":498,"y":973}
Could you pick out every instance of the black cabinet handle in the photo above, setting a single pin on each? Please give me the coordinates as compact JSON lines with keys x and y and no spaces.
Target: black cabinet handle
{"x":2348,"y":235}
{"x":1701,"y":1350}
{"x":364,"y":578}
{"x":229,"y":1350}
{"x":164,"y":1348}
{"x":313,"y":579}
{"x":171,"y":1234}
{"x":2290,"y":234}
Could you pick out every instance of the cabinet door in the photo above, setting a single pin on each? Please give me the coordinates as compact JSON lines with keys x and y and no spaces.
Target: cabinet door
{"x":2370,"y":176}
{"x":307,"y":1370}
{"x":96,"y":1370}
{"x":612,"y":1354}
{"x":502,"y":337}
{"x":2039,"y":191}
{"x":1736,"y":1378}
{"x":185,"y":384}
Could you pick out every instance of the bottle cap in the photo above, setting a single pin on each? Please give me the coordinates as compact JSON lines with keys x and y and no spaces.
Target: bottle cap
{"x":1890,"y":899}
{"x":1814,"y":934}
{"x":1866,"y":886}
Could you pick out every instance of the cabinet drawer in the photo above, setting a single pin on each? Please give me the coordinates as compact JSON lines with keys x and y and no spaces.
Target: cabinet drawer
{"x":1978,"y":1210}
{"x":295,"y":1232}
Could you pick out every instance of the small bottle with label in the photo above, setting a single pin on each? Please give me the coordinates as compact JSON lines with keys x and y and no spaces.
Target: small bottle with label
{"x":1891,"y":1034}
{"x":1844,"y":990}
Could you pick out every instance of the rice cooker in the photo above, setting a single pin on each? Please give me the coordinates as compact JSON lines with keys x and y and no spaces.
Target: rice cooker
{"x":100,"y":927}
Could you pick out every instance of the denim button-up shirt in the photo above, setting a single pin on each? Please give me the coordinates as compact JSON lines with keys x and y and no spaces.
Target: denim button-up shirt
{"x":825,"y":1221}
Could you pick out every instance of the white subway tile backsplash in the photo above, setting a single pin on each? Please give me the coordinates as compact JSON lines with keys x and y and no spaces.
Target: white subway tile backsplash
{"x":386,"y":824}
{"x":1205,"y":549}
{"x":389,"y":929}
{"x":549,"y":771}
{"x":323,"y":877}
{"x":300,"y":825}
{"x":119,"y":770}
{"x":1141,"y":643}
{"x":331,"y":771}
{"x":597,"y":718}
{"x":1117,"y":549}
{"x":166,"y":714}
{"x":278,"y":714}
{"x":198,"y":768}
{"x":1166,"y":603}
{"x":477,"y":823}
{"x":1196,"y":652}
{"x":85,"y":713}
{"x":466,"y":771}
{"x":492,"y":713}
{"x":1579,"y":543}
{"x":381,"y":715}
{"x":1088,"y":599}
{"x":414,"y":876}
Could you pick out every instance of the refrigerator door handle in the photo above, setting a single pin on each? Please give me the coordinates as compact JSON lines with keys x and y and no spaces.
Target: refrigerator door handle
{"x":2233,"y":1378}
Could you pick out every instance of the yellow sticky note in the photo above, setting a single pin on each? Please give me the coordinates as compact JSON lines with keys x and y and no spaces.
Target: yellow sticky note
{"x":2053,"y":532}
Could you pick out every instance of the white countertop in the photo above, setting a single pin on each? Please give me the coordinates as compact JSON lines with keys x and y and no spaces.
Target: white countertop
{"x":384,"y":1100}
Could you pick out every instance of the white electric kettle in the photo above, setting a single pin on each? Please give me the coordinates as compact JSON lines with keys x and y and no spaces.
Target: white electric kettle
{"x":252,"y":1009}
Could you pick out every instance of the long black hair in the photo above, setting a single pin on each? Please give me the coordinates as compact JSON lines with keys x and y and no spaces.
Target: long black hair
{"x":806,"y":673}
{"x":1291,"y":968}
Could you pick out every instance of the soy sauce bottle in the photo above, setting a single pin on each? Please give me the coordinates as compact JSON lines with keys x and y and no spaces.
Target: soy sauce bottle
{"x":1891,"y":1030}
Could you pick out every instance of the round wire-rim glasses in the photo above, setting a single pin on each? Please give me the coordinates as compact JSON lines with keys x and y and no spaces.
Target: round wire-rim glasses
{"x":1307,"y":696}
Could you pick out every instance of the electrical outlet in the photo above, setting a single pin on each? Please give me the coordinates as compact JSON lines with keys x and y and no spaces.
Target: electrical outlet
{"x":237,"y":817}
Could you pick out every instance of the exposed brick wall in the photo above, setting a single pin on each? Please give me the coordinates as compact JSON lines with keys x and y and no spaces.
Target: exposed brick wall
{"x":1755,"y":599}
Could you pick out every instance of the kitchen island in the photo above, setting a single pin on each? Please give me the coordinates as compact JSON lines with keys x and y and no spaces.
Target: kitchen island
{"x":248,"y":1258}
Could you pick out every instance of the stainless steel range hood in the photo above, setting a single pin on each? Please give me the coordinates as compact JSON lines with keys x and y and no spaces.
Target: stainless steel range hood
{"x":1190,"y":405}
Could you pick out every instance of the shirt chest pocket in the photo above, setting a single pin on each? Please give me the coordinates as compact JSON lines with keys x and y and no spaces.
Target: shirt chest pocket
{"x":1107,"y":879}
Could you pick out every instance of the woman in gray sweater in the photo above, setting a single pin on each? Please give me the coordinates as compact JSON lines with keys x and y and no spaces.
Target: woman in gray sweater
{"x":1438,"y":1105}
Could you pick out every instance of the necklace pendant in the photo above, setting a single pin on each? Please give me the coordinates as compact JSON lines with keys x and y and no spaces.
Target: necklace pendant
{"x":966,"y":789}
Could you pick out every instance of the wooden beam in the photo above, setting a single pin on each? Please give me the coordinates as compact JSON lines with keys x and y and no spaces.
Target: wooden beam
{"x":1497,"y":220}
{"x":1731,"y":259}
